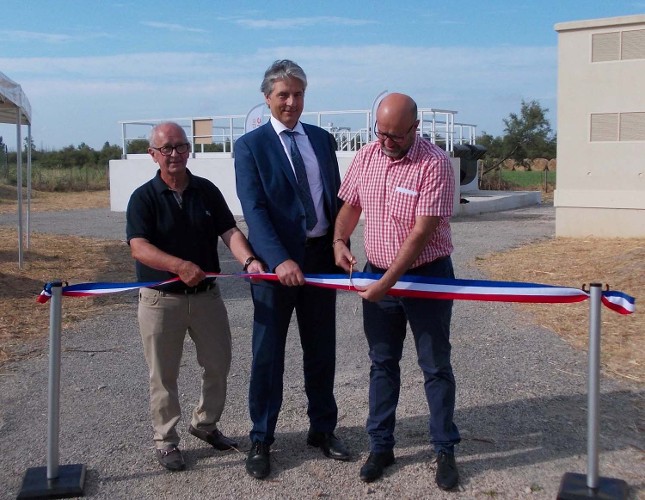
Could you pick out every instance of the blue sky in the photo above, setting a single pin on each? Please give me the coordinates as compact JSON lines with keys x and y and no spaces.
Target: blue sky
{"x":86,"y":65}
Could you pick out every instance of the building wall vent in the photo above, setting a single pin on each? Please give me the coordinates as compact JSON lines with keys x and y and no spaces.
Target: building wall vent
{"x":632,"y":126}
{"x":605,"y":47}
{"x":633,"y":46}
{"x":604,"y":127}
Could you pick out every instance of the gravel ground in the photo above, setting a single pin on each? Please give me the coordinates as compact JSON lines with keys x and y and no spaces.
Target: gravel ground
{"x":521,"y":399}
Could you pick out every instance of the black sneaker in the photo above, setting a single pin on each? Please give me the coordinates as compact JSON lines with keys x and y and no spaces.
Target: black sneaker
{"x":447,"y":474}
{"x":171,"y":458}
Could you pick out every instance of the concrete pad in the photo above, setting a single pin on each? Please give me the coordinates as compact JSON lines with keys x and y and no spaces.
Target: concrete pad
{"x":480,"y":202}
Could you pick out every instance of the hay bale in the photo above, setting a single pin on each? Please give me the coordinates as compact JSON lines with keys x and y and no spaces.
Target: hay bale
{"x":508,"y":164}
{"x":539,"y":164}
{"x":553,"y":163}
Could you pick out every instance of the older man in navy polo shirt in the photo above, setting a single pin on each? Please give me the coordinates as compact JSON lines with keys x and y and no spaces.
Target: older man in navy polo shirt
{"x":173,"y":225}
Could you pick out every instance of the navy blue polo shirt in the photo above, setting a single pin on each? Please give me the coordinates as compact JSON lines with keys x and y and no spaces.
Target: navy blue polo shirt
{"x":189,"y":232}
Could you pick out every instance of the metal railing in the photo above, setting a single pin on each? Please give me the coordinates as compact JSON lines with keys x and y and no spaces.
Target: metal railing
{"x":352,"y":129}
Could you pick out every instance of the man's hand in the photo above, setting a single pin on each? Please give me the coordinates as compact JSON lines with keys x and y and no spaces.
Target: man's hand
{"x":190,"y":273}
{"x":255,"y":266}
{"x":374,"y":292}
{"x":289,"y":273}
{"x":343,"y":257}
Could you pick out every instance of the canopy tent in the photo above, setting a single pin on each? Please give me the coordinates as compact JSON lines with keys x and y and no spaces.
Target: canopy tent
{"x":15,"y":108}
{"x":12,"y":99}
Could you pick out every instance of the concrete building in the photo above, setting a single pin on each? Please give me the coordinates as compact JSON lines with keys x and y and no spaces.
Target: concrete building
{"x":351,"y":129}
{"x":601,"y":128}
{"x":439,"y":126}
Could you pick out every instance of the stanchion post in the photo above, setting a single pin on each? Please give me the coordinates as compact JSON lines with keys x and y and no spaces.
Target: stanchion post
{"x":593,"y":395}
{"x":53,"y":399}
{"x":578,"y":486}
{"x":54,"y":481}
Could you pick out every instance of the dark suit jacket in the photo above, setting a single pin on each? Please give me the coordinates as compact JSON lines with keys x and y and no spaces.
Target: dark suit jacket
{"x":267,"y":189}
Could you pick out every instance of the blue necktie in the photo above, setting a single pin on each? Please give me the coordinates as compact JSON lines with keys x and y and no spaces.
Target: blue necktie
{"x":304,"y":191}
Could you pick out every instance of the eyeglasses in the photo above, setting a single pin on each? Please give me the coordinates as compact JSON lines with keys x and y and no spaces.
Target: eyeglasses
{"x":393,"y":138}
{"x":167,"y":150}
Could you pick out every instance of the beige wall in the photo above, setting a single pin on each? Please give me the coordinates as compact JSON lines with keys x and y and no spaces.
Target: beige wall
{"x":127,"y":175}
{"x":601,"y":176}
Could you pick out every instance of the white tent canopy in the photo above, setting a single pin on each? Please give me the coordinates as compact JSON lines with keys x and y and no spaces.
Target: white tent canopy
{"x":12,"y":100}
{"x":15,"y":108}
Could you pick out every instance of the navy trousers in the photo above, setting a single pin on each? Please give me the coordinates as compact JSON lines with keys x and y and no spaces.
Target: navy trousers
{"x":385,"y":328}
{"x":316,"y":315}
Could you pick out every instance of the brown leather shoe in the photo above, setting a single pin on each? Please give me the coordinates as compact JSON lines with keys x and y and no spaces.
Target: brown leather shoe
{"x":215,"y":438}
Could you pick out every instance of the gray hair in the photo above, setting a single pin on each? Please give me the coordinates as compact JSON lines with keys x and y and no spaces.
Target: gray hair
{"x":281,"y":70}
{"x":153,"y":132}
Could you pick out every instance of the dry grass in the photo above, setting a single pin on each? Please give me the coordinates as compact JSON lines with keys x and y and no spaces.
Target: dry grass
{"x":574,"y":262}
{"x":44,"y":201}
{"x":24,"y":324}
{"x":566,"y":262}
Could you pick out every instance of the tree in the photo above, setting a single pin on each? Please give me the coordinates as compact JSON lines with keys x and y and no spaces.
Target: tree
{"x":213,"y":148}
{"x":137,"y":146}
{"x":494,"y":145}
{"x":26,"y":146}
{"x":109,"y":152}
{"x":4,"y":163}
{"x":528,"y":135}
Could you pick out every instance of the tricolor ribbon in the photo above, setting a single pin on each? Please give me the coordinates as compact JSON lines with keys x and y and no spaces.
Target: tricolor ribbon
{"x":407,"y":286}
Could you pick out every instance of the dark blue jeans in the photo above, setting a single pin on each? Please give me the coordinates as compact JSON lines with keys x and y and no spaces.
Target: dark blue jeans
{"x":385,"y":328}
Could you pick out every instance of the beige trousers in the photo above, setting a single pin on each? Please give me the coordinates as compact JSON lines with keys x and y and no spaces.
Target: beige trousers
{"x":164,"y":320}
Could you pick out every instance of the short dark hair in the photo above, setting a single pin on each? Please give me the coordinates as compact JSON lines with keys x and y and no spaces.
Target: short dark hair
{"x":281,"y":70}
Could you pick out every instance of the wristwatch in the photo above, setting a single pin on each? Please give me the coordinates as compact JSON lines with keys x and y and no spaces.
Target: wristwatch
{"x":247,"y":262}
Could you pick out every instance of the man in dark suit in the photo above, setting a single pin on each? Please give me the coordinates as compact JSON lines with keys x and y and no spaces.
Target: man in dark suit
{"x":287,"y":180}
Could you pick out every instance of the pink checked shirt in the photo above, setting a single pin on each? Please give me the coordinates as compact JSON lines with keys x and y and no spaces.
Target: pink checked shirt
{"x":392,"y":193}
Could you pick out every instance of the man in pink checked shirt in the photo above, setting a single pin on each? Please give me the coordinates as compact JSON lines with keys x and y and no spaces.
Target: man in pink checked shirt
{"x":403,"y":185}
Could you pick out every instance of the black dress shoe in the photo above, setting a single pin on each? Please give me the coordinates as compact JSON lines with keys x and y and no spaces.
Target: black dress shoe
{"x":215,"y":438}
{"x":170,"y":458}
{"x":374,"y":465}
{"x":447,"y":474}
{"x":331,"y":446}
{"x":257,"y":462}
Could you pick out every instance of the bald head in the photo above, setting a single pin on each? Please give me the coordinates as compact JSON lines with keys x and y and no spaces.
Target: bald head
{"x":161,"y":131}
{"x":396,"y":124}
{"x":399,"y":108}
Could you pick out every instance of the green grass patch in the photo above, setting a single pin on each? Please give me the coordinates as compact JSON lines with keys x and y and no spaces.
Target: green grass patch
{"x":61,"y":179}
{"x":517,"y":180}
{"x":527,"y":179}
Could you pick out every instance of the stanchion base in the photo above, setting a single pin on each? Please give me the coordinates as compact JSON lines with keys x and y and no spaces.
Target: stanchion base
{"x":69,"y":483}
{"x":574,"y":487}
